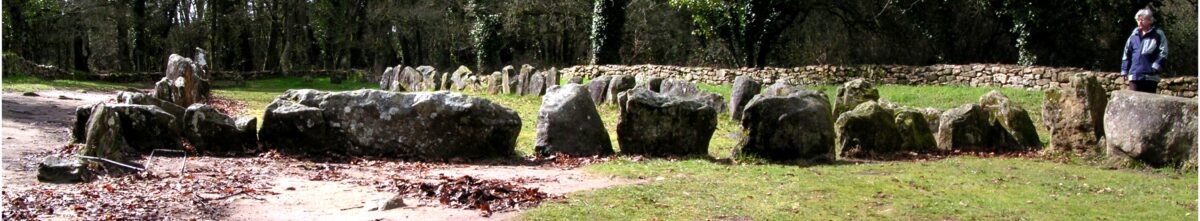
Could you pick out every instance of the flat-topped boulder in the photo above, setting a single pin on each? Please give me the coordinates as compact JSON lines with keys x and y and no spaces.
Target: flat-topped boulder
{"x":421,"y":125}
{"x":568,"y":123}
{"x":798,"y":125}
{"x":685,"y":89}
{"x":1156,"y":130}
{"x":655,"y":124}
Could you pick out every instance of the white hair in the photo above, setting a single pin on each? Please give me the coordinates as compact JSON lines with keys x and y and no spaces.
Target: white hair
{"x":1146,"y":13}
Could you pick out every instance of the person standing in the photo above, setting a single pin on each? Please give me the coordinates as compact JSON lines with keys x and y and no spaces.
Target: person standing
{"x":1145,"y":51}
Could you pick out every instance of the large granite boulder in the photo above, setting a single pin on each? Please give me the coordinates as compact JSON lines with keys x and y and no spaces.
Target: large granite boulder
{"x":780,"y":88}
{"x":117,"y":130}
{"x":411,"y":79}
{"x":185,"y":82}
{"x":598,"y":88}
{"x":386,"y":79}
{"x":422,"y":125}
{"x":618,"y":84}
{"x":655,"y":124}
{"x":1155,"y":130}
{"x":1019,"y":132}
{"x":744,"y":89}
{"x":868,"y":131}
{"x":792,"y":126}
{"x":1074,"y":115}
{"x":212,"y":131}
{"x":568,"y":123}
{"x":852,"y":93}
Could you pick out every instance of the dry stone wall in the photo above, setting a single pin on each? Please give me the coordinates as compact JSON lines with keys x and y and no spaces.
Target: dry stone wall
{"x":1033,"y":77}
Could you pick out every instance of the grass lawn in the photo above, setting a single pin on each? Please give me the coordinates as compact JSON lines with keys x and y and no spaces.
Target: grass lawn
{"x":690,"y":189}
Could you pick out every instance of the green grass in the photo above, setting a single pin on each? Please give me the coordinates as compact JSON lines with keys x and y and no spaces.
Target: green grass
{"x":961,"y":188}
{"x":955,"y":188}
{"x":26,"y":83}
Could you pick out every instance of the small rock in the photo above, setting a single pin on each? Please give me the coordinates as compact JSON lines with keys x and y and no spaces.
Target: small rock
{"x":61,"y":170}
{"x":385,"y":204}
{"x":30,"y":94}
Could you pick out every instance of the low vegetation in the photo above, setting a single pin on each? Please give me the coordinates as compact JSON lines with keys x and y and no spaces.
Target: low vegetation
{"x":956,"y":187}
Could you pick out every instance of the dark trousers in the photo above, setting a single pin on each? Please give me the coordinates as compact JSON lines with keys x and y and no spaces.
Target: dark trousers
{"x":1144,"y":86}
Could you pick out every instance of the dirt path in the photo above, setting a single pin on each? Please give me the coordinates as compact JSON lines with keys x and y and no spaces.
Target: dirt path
{"x":33,"y":126}
{"x":284,"y":188}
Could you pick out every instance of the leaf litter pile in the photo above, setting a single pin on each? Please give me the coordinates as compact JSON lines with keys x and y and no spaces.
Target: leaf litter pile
{"x":487,"y":196}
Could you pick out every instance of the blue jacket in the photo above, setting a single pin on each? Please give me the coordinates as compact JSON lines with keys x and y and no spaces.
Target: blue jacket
{"x":1144,"y":55}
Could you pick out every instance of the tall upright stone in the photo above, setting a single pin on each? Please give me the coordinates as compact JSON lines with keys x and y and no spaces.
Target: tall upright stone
{"x":511,"y":80}
{"x":1074,"y":115}
{"x":568,"y":123}
{"x":598,"y":88}
{"x":618,"y":84}
{"x":744,"y":89}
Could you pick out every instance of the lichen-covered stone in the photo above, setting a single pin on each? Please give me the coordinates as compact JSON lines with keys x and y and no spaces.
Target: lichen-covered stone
{"x":655,"y":124}
{"x":568,"y":123}
{"x":867,"y":131}
{"x":793,"y":126}
{"x":1156,"y":130}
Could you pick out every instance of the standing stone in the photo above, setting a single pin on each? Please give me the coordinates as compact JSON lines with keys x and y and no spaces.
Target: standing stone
{"x":115,"y":130}
{"x":447,"y":82}
{"x":744,"y":89}
{"x":411,"y":79}
{"x":780,"y":88}
{"x":523,"y":79}
{"x":792,"y":126}
{"x":385,"y":80}
{"x":510,"y":80}
{"x":460,"y":78}
{"x":569,"y":124}
{"x":868,"y":131}
{"x":292,"y":127}
{"x":82,"y":114}
{"x":966,"y":127}
{"x":213,"y":131}
{"x":915,"y":132}
{"x":1018,"y":133}
{"x":598,"y":88}
{"x":553,"y":78}
{"x":659,"y":125}
{"x":852,"y":93}
{"x":1075,"y":114}
{"x":248,"y":127}
{"x":184,"y":84}
{"x":537,"y":84}
{"x":1157,"y":130}
{"x":496,"y":83}
{"x":618,"y":84}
